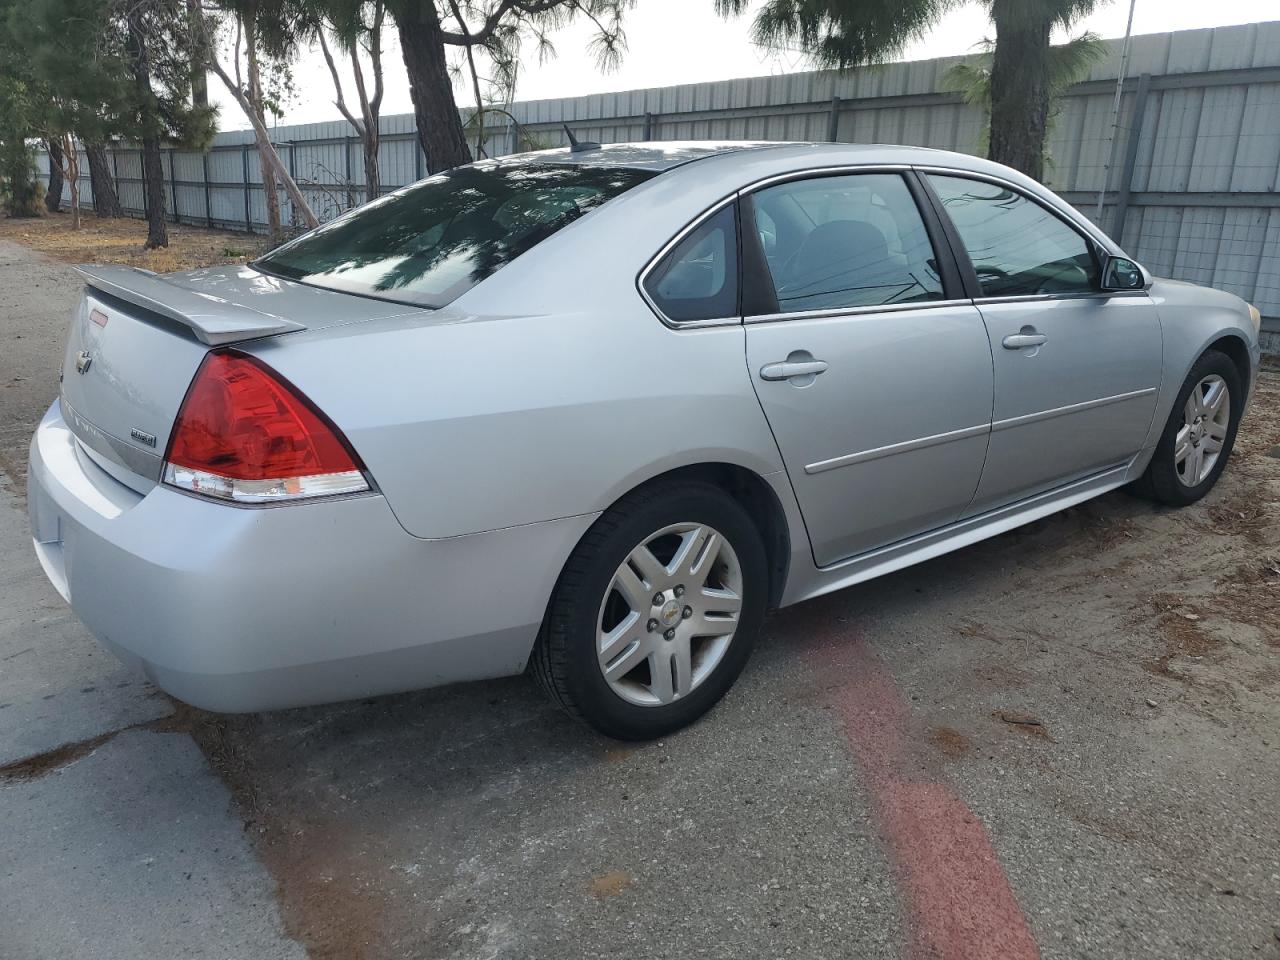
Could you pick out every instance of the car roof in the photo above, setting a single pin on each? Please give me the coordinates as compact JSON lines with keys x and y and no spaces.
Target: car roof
{"x":658,"y":156}
{"x":653,"y":156}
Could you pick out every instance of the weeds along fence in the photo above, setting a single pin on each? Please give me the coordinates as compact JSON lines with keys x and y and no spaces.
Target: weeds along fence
{"x":1188,"y":182}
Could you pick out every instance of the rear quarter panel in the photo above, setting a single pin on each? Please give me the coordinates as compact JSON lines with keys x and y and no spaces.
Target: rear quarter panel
{"x":547,"y":391}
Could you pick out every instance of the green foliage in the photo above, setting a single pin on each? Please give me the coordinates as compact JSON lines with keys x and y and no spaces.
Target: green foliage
{"x":842,"y":33}
{"x":20,"y":191}
{"x":282,"y":29}
{"x":73,"y":56}
{"x":75,"y":59}
{"x":165,"y":111}
{"x":850,"y":33}
{"x":1068,"y":63}
{"x":21,"y":194}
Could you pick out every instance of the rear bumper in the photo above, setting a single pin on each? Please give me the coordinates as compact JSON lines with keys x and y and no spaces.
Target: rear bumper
{"x":239,"y":609}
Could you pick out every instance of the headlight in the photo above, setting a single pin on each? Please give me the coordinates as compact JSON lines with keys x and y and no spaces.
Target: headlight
{"x":1256,"y":316}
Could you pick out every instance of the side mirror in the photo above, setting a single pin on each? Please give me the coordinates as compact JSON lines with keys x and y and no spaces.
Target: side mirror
{"x":1121,"y":273}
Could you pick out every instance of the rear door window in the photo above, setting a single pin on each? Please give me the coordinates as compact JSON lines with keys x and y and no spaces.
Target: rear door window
{"x":845,"y":242}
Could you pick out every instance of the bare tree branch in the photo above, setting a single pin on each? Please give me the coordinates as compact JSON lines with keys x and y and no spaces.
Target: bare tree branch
{"x":494,"y":20}
{"x":340,"y":102}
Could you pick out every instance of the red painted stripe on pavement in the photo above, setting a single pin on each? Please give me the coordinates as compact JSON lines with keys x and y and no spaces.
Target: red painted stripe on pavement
{"x":957,"y":898}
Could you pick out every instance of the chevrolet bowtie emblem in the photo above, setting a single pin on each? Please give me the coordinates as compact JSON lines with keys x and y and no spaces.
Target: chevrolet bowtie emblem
{"x":83,"y":360}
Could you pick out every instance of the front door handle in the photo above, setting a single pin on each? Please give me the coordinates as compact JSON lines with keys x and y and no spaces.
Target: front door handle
{"x":800,"y":367}
{"x":1026,"y":338}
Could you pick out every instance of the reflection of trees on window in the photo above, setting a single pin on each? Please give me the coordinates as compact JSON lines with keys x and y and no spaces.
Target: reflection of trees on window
{"x":1017,"y":247}
{"x":432,"y":242}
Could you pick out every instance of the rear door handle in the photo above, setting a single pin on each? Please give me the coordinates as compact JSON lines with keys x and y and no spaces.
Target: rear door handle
{"x":1027,"y":338}
{"x":799,"y":364}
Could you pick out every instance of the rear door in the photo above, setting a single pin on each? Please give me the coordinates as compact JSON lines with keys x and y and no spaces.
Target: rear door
{"x":1076,"y":368}
{"x":874,"y":373}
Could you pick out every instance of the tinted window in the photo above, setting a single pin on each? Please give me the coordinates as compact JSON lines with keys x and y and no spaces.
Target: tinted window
{"x":853,"y":241}
{"x":1017,"y":246}
{"x":698,"y":279}
{"x":433,"y":241}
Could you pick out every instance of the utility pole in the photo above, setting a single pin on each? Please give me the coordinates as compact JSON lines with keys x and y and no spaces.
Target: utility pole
{"x":1115,"y":115}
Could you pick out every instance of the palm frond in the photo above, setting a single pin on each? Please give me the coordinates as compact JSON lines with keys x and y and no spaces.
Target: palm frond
{"x":842,"y":33}
{"x":1061,"y":14}
{"x":1072,"y":61}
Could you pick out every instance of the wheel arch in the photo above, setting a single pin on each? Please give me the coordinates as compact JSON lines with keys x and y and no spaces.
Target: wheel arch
{"x":1237,"y":350}
{"x":755,"y":495}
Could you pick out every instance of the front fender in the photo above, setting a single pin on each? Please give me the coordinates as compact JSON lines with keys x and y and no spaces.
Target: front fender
{"x":1193,"y":319}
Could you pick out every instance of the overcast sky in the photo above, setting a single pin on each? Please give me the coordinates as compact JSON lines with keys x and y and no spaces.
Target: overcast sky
{"x":683,"y":41}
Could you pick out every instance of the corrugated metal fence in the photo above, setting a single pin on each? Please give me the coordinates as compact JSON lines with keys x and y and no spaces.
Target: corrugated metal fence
{"x":1192,"y":190}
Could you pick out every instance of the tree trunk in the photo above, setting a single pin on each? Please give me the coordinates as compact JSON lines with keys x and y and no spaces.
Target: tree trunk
{"x":270,"y":194}
{"x":152,"y":167}
{"x":53,"y":199}
{"x":372,"y":179}
{"x":439,"y":126}
{"x":153,"y":175}
{"x":266,"y":148}
{"x":106,"y":201}
{"x":1019,"y":88}
{"x":71,"y":157}
{"x":199,"y":78}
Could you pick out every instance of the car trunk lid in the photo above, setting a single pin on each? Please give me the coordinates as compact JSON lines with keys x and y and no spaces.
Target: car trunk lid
{"x":138,"y":338}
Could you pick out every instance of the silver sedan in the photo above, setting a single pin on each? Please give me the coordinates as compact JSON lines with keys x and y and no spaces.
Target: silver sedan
{"x":592,"y":412}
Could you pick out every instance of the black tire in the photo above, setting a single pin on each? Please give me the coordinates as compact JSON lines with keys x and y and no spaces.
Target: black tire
{"x":1161,"y":482}
{"x":564,"y":658}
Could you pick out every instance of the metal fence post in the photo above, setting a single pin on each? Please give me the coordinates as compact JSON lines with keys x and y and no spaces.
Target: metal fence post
{"x":146,"y":199}
{"x":208,"y":199}
{"x":833,"y":121}
{"x":649,"y":123}
{"x":173,"y":187}
{"x":346,"y":156}
{"x":244,"y":173}
{"x":293,"y":175}
{"x":1130,"y":158}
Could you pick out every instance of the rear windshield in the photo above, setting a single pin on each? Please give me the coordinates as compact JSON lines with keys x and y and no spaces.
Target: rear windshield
{"x":432,"y":242}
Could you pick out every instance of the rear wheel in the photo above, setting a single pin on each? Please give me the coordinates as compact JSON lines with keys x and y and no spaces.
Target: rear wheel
{"x":1198,"y":437}
{"x":656,"y":611}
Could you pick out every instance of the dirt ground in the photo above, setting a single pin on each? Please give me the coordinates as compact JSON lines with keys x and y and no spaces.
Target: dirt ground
{"x":121,"y":241}
{"x":1063,"y":742}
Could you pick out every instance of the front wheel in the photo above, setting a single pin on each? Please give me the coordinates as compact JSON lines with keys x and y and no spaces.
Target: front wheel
{"x":656,"y":612}
{"x":1198,"y":437}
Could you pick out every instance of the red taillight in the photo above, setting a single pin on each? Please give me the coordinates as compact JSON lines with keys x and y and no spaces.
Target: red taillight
{"x":244,"y":433}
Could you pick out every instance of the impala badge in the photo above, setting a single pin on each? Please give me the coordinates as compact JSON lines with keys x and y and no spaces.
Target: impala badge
{"x":83,"y":361}
{"x":143,"y":437}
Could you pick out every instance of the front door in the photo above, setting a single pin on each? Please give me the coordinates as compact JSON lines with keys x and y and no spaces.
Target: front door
{"x":1076,"y":369}
{"x":877,"y":385}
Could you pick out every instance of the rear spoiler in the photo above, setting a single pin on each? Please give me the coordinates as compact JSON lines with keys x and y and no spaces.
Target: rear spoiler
{"x":213,"y":320}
